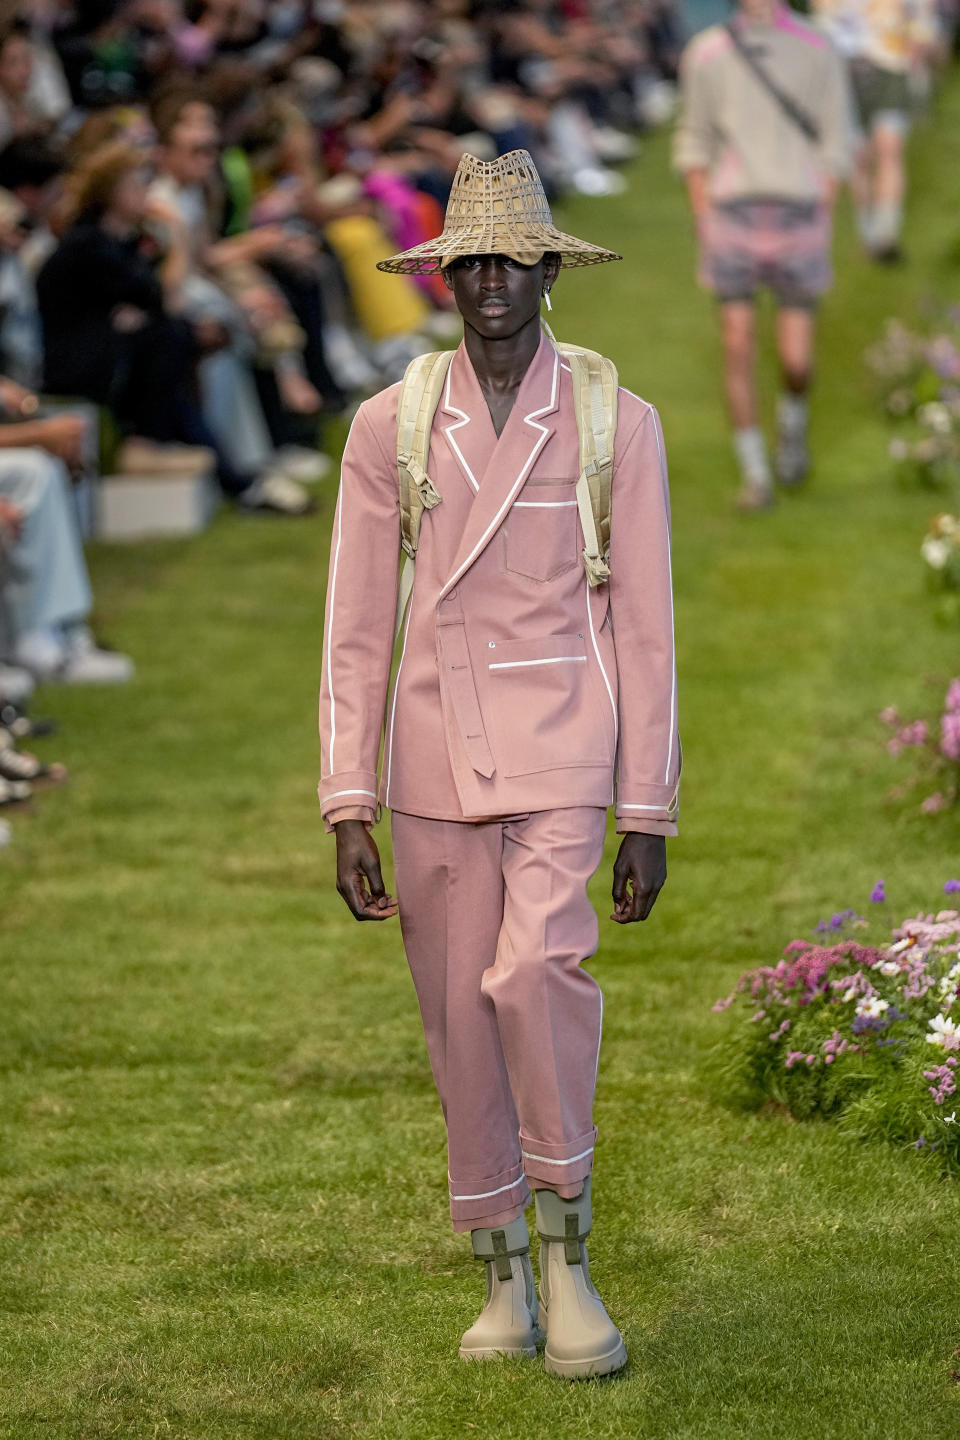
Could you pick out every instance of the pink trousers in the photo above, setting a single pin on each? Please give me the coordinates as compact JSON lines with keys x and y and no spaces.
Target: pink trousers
{"x":496,"y":923}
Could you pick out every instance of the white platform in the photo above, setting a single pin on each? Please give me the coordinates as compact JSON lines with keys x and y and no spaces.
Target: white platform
{"x":133,"y":507}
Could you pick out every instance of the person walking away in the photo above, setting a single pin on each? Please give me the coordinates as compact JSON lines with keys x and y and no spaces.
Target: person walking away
{"x":888,"y":46}
{"x":536,"y":687}
{"x":762,"y":140}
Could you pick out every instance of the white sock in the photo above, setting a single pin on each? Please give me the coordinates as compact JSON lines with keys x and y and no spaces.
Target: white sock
{"x":887,"y":224}
{"x":792,"y":414}
{"x":751,"y":451}
{"x":865,"y":225}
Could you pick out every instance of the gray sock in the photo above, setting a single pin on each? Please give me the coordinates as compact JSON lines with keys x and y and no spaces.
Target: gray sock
{"x":792,"y":415}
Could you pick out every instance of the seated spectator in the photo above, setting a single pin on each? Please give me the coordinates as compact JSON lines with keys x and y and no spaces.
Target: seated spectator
{"x":46,"y":589}
{"x":33,"y":93}
{"x":114,"y":331}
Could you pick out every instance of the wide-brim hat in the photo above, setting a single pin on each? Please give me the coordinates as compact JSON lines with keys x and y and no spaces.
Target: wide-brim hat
{"x":497,"y":207}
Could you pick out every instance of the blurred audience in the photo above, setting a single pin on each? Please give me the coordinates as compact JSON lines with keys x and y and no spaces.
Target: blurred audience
{"x":193,"y":196}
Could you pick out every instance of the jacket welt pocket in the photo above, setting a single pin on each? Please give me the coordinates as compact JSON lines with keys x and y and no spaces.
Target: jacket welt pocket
{"x":545,"y":710}
{"x":541,"y":532}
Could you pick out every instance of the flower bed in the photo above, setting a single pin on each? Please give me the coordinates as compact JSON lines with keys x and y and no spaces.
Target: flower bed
{"x":863,"y":1030}
{"x":937,"y":747}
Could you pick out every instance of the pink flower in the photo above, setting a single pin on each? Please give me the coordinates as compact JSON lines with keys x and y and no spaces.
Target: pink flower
{"x":891,"y":716}
{"x":952,"y":701}
{"x":933,"y":803}
{"x":895,"y":745}
{"x":915,"y":734}
{"x":950,"y":734}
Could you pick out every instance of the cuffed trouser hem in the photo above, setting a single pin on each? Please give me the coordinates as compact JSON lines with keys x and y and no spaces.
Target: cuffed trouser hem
{"x":483,"y":1204}
{"x":562,"y":1168}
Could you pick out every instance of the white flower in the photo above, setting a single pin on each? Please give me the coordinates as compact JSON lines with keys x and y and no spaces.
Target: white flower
{"x":872,"y":1007}
{"x":935,"y":552}
{"x":950,"y":1119}
{"x":942,"y":1028}
{"x":936,"y":416}
{"x":850,"y":994}
{"x":889,"y":967}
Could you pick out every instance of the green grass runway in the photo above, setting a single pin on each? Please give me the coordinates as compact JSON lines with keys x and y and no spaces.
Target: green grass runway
{"x":222,"y":1179}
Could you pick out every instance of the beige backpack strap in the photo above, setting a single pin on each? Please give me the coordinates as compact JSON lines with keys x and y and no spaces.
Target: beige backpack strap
{"x":420,"y":391}
{"x":595,"y":388}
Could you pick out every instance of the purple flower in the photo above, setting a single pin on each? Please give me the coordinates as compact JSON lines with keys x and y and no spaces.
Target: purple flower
{"x":878,"y":894}
{"x":952,"y":887}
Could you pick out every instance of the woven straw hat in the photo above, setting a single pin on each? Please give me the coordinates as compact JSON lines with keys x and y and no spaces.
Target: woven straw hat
{"x":496,"y":207}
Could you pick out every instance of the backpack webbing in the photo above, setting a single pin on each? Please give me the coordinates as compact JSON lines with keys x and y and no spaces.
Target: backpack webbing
{"x":595,"y":386}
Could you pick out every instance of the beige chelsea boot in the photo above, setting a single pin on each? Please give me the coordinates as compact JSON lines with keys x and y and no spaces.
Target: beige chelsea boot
{"x":582,"y":1340}
{"x":507,"y":1324}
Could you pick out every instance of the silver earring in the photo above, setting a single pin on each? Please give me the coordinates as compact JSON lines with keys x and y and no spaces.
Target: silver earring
{"x":546,"y":296}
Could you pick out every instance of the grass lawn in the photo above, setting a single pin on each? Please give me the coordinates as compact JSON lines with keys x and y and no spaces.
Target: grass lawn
{"x":222,"y":1180}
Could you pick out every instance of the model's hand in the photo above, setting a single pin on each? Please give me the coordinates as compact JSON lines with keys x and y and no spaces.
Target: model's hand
{"x":358,"y":866}
{"x":639,"y":874}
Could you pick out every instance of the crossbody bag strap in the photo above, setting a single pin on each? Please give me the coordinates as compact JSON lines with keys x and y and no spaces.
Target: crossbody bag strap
{"x":793,"y":110}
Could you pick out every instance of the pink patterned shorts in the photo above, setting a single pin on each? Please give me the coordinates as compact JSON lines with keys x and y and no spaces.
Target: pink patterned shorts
{"x":779,"y":245}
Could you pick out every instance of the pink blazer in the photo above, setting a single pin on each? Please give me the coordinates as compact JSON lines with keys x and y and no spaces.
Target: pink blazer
{"x":518,"y":688}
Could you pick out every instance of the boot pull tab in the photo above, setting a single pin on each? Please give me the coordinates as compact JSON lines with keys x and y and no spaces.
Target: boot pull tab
{"x":571,"y":1238}
{"x":501,"y":1255}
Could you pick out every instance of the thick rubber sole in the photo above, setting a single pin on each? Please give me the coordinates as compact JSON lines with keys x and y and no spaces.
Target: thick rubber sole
{"x":588,"y":1368}
{"x":527,"y":1352}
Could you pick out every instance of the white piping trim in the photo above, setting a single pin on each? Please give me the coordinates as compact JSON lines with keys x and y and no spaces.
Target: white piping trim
{"x":542,"y":504}
{"x":333,"y":593}
{"x":606,"y":681}
{"x":393,"y":707}
{"x":545,"y":1159}
{"x":337,"y":793}
{"x":663,"y":482}
{"x":551,"y":660}
{"x":673,"y":641}
{"x":485,"y":1194}
{"x":622,"y":806}
{"x":449,"y":429}
{"x":530,"y":419}
{"x":596,"y":1068}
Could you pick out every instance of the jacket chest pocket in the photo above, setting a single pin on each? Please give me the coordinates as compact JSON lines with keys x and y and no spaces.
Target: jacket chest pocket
{"x":542,"y":533}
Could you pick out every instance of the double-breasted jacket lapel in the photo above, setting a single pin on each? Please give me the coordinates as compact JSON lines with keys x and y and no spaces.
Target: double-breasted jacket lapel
{"x":495,"y":468}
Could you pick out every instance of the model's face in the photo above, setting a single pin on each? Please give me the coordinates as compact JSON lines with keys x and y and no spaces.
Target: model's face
{"x":497,"y":296}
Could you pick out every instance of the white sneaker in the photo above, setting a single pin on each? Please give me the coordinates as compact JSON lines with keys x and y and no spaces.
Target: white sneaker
{"x":277,"y":492}
{"x":16,"y":684}
{"x":300,"y":463}
{"x":756,"y":493}
{"x":42,"y":652}
{"x":595,"y":181}
{"x":87,"y":664}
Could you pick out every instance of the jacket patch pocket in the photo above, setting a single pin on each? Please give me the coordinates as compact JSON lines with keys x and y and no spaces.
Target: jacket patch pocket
{"x":541,"y":532}
{"x":545,"y":711}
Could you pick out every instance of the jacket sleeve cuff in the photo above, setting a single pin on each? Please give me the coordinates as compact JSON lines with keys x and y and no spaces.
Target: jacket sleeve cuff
{"x":349,"y":812}
{"x":627,"y":825}
{"x":348,"y":788}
